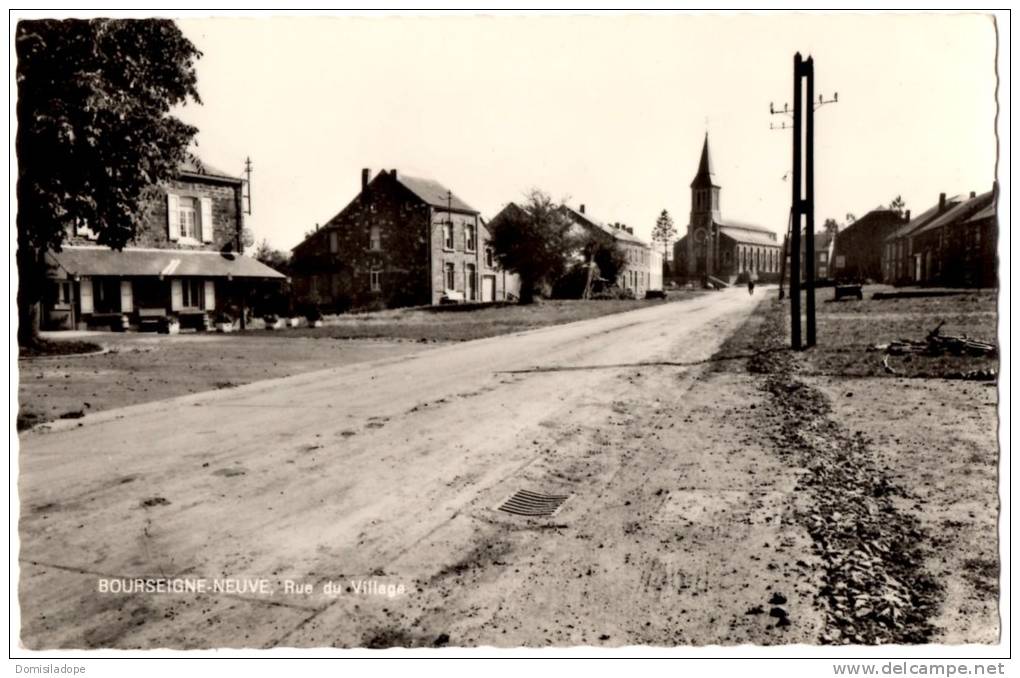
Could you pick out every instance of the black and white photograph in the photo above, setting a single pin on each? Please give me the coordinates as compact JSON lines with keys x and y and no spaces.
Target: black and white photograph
{"x":584,"y":333}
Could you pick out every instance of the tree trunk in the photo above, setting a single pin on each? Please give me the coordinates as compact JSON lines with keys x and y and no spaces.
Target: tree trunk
{"x":31,"y":283}
{"x":527,"y":292}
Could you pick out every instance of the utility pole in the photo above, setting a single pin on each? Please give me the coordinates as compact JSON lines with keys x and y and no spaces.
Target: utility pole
{"x":247,"y":174}
{"x":802,"y":204}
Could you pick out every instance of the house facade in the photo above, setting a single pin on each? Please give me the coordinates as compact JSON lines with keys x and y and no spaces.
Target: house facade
{"x":185,"y":262}
{"x":402,"y":241}
{"x":857,"y":251}
{"x":718,"y":248}
{"x":953,"y":243}
{"x":642,"y":270}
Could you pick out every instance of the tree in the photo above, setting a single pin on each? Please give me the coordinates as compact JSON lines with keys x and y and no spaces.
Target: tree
{"x":831,"y":226}
{"x":898,"y":206}
{"x":664,"y":232}
{"x":273,"y":258}
{"x":533,"y":241}
{"x":95,"y":134}
{"x":850,"y":218}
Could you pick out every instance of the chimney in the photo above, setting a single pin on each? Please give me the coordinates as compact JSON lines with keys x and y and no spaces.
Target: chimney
{"x":582,"y":208}
{"x":394,"y":173}
{"x":906,"y":216}
{"x":365,"y":174}
{"x":973,"y":194}
{"x":942,"y":202}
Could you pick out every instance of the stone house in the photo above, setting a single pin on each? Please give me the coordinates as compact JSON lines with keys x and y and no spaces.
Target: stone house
{"x":185,"y":262}
{"x":718,"y":248}
{"x":402,"y":241}
{"x":642,"y":270}
{"x":952,"y":243}
{"x":857,"y":252}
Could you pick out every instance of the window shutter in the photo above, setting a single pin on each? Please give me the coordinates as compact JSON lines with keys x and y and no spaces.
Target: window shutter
{"x":85,"y":294}
{"x":210,"y":295}
{"x":176,"y":295}
{"x":173,"y":216}
{"x":127,"y":300}
{"x":207,"y":221}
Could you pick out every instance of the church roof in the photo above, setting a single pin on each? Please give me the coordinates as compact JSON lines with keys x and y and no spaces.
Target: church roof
{"x":749,"y":237}
{"x":705,"y":177}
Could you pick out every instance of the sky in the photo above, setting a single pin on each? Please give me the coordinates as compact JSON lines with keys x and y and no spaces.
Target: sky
{"x":609,"y":111}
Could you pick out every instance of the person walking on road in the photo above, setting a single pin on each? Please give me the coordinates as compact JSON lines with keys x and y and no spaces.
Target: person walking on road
{"x":750,"y":285}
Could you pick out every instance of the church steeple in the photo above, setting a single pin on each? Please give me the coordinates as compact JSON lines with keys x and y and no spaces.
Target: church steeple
{"x":704,"y":178}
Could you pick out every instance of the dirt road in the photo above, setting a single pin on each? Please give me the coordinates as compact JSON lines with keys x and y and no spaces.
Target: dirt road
{"x":376,"y":485}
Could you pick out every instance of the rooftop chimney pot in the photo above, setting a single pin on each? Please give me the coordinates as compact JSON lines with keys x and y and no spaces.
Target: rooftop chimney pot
{"x":942,"y":202}
{"x":973,"y":194}
{"x":582,"y":208}
{"x":906,"y":216}
{"x":394,"y":173}
{"x":365,"y":174}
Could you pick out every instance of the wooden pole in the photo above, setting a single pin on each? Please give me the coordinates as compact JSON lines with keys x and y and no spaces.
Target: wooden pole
{"x":809,"y":200}
{"x":795,"y":210}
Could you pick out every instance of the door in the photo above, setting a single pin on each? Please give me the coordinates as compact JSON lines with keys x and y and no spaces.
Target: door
{"x":489,"y":288}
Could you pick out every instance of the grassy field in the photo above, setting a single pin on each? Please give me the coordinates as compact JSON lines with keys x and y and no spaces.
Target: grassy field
{"x":463,"y":323}
{"x":138,"y":368}
{"x":847,"y":328}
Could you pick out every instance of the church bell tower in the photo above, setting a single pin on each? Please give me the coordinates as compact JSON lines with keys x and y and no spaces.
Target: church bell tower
{"x":702,"y":236}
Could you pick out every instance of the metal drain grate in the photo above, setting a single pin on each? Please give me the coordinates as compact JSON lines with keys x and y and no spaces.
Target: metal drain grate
{"x":525,"y":503}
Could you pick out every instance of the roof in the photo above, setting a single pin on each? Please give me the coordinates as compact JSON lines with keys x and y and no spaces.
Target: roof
{"x":705,"y":177}
{"x":959,"y":213}
{"x":748,"y":237}
{"x":88,"y":260}
{"x":986,"y":213}
{"x":194,"y":165}
{"x":923,"y":218}
{"x":617,"y":233}
{"x":744,"y":226}
{"x":434,"y":193}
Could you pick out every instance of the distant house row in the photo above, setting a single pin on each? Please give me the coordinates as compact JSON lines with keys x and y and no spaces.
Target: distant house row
{"x":952,"y":243}
{"x":406,"y":241}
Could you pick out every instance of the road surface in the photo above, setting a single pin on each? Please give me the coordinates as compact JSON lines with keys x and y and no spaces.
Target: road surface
{"x":358,"y":506}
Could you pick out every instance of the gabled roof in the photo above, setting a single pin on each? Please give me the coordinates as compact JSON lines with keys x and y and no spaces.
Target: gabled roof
{"x":743,"y":226}
{"x":959,"y":213}
{"x":705,"y":177}
{"x":923,"y":218}
{"x":986,"y":213}
{"x":747,"y":237}
{"x":617,"y":233}
{"x":434,"y":193}
{"x":194,"y":165}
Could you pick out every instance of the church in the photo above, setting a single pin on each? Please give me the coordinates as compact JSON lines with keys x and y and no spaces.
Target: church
{"x":720,"y":249}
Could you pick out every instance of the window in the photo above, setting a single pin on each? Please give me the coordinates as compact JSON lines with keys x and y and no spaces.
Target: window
{"x":448,"y":235}
{"x":375,"y":280}
{"x":190,"y":219}
{"x":490,"y":258}
{"x":374,"y":239}
{"x":192,"y":293}
{"x":823,"y":257}
{"x":451,"y":276}
{"x":334,"y":242}
{"x":469,"y":238}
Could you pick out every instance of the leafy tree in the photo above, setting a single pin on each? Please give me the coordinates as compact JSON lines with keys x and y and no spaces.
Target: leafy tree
{"x":898,"y":206}
{"x":831,"y":226}
{"x":272,"y":258}
{"x":533,"y":241}
{"x":95,"y":134}
{"x":664,"y":232}
{"x":606,"y":253}
{"x":850,"y":218}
